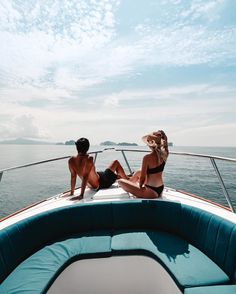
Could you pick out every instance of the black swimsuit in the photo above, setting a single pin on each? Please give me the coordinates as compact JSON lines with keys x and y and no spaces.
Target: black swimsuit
{"x":106,"y":178}
{"x":158,"y":190}
{"x":155,"y":170}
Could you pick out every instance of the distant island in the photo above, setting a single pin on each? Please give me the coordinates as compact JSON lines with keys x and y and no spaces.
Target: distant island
{"x":110,"y":143}
{"x":70,"y":142}
{"x":23,"y":141}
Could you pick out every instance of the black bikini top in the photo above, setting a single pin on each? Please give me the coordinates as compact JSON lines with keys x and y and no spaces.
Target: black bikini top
{"x":156,"y":169}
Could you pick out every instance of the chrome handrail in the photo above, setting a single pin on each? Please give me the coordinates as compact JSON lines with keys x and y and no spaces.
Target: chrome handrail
{"x":204,"y":156}
{"x":43,"y":161}
{"x":211,"y":157}
{"x":183,"y":153}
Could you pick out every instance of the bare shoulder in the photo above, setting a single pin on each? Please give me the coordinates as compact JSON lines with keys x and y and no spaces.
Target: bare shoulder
{"x":71,"y":159}
{"x":146,"y":156}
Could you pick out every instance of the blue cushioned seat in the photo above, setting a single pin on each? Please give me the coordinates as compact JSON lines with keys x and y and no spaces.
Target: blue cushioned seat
{"x":196,"y":247}
{"x":213,"y":235}
{"x":227,"y":289}
{"x":36,"y":273}
{"x":188,"y":266}
{"x":20,"y":240}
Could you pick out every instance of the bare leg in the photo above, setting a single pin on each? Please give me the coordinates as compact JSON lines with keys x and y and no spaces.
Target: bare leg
{"x":134,"y":189}
{"x":117,"y":168}
{"x":135,"y":177}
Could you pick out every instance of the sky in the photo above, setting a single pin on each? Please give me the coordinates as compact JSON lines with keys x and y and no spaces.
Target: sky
{"x":118,"y":69}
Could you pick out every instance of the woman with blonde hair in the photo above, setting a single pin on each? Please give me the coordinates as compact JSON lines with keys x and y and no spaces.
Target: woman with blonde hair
{"x":150,"y":183}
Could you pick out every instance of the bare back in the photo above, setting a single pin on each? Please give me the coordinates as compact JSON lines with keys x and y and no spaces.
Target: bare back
{"x":151,"y":161}
{"x":83,"y":166}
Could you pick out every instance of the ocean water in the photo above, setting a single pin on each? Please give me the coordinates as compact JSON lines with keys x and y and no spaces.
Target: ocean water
{"x":25,"y":186}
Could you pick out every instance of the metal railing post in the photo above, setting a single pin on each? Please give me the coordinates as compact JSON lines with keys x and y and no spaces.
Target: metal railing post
{"x":1,"y":173}
{"x":222,"y":185}
{"x":127,"y":163}
{"x":95,"y":158}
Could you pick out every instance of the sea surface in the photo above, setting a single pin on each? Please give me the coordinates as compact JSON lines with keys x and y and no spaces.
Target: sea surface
{"x":25,"y":186}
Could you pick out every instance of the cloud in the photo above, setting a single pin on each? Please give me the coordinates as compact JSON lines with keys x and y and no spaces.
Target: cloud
{"x":111,"y":101}
{"x":63,"y":63}
{"x":204,"y":9}
{"x":76,"y":45}
{"x":73,"y":19}
{"x":190,"y":99}
{"x":22,"y":126}
{"x":153,"y":97}
{"x":52,"y":36}
{"x":187,"y":46}
{"x":33,"y":95}
{"x":213,"y":135}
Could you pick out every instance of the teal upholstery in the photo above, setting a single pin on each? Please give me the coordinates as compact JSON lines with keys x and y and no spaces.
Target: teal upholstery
{"x":154,"y":215}
{"x":22,"y":239}
{"x":228,"y":289}
{"x":41,"y":268}
{"x":213,"y":235}
{"x":188,"y":266}
{"x":196,"y":247}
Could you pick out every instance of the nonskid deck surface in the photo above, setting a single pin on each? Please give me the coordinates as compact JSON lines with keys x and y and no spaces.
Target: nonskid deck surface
{"x":114,"y":193}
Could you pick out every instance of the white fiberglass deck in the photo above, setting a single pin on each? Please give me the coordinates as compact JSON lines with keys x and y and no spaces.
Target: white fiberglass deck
{"x":114,"y":193}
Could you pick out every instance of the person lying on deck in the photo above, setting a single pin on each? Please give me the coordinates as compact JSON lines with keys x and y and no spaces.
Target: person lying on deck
{"x":148,"y":182}
{"x":82,"y":165}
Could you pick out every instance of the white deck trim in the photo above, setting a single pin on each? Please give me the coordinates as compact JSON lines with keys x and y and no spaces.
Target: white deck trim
{"x":114,"y":193}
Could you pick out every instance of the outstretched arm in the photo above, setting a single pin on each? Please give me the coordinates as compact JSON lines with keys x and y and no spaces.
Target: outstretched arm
{"x":72,"y":178}
{"x":143,"y":175}
{"x":85,"y":177}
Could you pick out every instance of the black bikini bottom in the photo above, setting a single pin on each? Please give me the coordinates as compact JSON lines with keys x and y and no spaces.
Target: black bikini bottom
{"x":106,"y":178}
{"x":158,"y":190}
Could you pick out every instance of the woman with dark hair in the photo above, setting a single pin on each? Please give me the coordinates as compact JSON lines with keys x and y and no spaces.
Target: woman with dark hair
{"x":150,"y":181}
{"x":82,"y":165}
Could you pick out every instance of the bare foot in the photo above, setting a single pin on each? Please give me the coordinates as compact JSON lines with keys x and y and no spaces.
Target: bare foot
{"x":76,"y":198}
{"x":66,"y":194}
